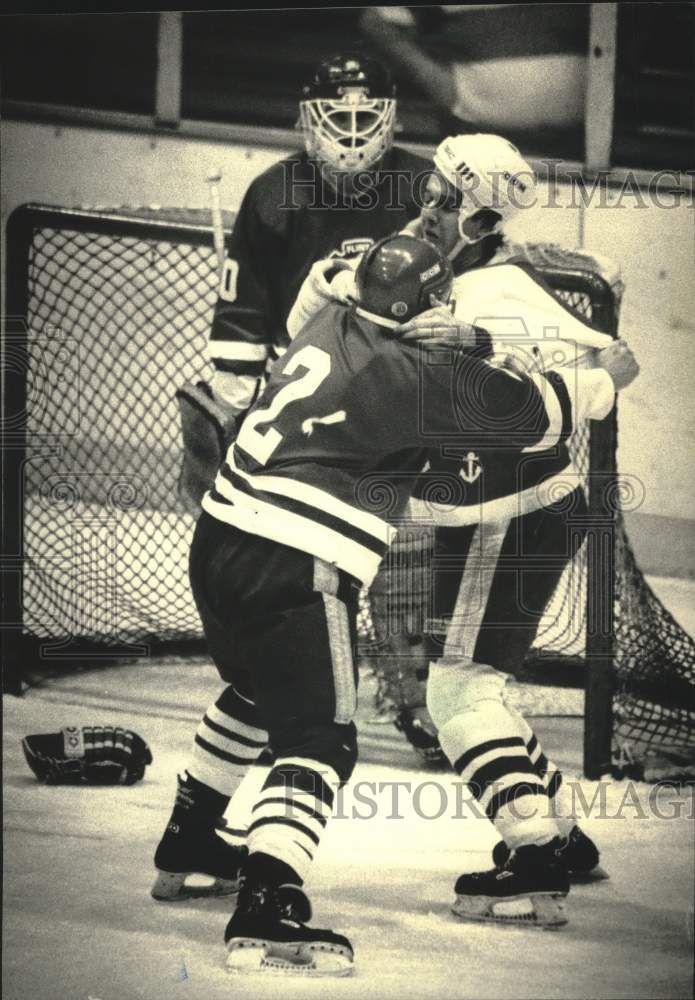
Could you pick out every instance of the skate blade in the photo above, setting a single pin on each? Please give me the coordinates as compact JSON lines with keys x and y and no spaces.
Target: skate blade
{"x":289,"y":958}
{"x":597,"y":874}
{"x":542,"y":910}
{"x":172,"y":887}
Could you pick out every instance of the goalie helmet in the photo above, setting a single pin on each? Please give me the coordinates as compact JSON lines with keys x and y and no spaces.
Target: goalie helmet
{"x":489,"y":172}
{"x":348,"y":112}
{"x":397,"y":277}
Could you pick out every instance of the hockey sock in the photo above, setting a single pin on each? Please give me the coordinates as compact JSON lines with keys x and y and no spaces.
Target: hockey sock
{"x":291,"y":812}
{"x":487,"y":749}
{"x":560,"y":797}
{"x":227,"y":742}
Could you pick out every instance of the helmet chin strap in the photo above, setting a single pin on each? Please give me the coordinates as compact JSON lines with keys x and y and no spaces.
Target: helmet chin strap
{"x":390,"y":324}
{"x":458,"y":247}
{"x":465,"y":241}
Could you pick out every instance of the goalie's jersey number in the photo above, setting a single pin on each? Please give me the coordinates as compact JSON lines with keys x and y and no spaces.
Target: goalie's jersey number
{"x":260,"y":440}
{"x":228,"y":280}
{"x":229,"y":277}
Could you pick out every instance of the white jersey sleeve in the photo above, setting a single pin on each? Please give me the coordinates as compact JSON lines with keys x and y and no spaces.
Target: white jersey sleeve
{"x":327,"y":281}
{"x":523,"y":317}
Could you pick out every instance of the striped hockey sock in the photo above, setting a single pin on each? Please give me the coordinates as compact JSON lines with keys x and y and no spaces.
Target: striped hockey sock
{"x":561,"y":799}
{"x":292,"y":810}
{"x":487,"y":749}
{"x":227,"y":742}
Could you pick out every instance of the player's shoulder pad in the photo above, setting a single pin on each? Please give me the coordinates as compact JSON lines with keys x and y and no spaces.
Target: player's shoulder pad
{"x":267,"y":195}
{"x":403,"y":159}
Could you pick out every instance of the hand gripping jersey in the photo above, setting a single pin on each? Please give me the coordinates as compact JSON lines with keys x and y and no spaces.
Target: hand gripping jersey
{"x":531,"y":324}
{"x":288,"y":219}
{"x":526,"y":319}
{"x":329,"y":455}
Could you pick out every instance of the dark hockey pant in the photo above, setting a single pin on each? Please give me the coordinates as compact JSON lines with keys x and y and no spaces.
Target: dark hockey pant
{"x":280,"y":627}
{"x":492,"y":582}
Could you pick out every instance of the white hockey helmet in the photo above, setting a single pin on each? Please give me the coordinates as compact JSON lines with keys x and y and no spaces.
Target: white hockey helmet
{"x":348,"y":113}
{"x":490,"y":173}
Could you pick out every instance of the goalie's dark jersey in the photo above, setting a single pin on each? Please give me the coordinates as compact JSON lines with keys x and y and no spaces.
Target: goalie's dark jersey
{"x":287,"y":220}
{"x":329,"y":454}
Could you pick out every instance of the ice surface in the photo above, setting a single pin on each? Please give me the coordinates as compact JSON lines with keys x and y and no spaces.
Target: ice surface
{"x":79,"y":922}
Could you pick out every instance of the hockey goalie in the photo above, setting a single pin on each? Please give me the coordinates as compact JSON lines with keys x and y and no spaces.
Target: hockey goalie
{"x":347,"y":114}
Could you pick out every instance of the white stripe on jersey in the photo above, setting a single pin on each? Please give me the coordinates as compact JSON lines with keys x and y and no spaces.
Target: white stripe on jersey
{"x":318,"y":498}
{"x":236,"y":350}
{"x":553,"y":410}
{"x":506,"y":507}
{"x":295,"y":530}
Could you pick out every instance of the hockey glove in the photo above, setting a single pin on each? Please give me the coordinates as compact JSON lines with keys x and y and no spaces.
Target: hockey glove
{"x":91,"y":755}
{"x":208,"y":429}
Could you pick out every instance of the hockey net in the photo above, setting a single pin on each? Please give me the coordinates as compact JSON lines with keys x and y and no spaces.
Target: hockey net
{"x":108,"y":312}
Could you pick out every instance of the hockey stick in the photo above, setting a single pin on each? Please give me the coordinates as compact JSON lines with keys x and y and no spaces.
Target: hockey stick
{"x":213,"y":180}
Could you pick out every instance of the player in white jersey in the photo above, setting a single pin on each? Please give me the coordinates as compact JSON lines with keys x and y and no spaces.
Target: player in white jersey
{"x":515,"y":525}
{"x":291,"y":529}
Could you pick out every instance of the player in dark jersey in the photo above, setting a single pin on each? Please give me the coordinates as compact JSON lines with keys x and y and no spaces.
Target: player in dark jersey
{"x":300,"y":515}
{"x":347,"y":189}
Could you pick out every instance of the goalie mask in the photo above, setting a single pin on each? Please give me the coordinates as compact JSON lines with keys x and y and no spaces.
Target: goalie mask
{"x":488,"y":172}
{"x":347,"y":113}
{"x":399,"y":277}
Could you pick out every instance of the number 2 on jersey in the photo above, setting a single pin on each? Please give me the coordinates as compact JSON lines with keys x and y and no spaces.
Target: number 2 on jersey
{"x":260,"y":445}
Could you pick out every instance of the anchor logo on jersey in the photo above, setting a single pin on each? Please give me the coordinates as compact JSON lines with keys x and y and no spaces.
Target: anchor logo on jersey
{"x":471,"y":468}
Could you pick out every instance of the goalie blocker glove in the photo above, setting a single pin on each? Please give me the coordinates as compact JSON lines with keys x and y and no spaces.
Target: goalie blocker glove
{"x":92,"y":755}
{"x":208,"y":426}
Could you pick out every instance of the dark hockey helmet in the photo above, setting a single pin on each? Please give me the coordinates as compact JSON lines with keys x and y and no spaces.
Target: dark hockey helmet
{"x":398,"y":278}
{"x":347,"y":112}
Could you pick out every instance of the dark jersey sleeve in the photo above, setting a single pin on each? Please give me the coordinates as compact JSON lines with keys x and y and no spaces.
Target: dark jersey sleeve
{"x":246,"y":313}
{"x":466,"y":402}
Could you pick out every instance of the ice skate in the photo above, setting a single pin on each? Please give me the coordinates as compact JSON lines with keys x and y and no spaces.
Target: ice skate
{"x":267,"y":933}
{"x":528,"y":890}
{"x":194,"y":863}
{"x":579,"y":855}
